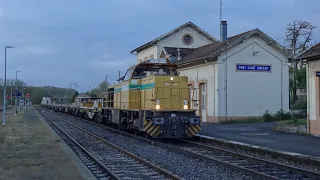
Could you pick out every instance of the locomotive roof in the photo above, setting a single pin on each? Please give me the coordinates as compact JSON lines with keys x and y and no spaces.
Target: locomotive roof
{"x":148,"y":63}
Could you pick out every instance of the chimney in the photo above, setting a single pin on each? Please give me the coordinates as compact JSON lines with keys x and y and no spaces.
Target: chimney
{"x":179,"y":57}
{"x":223,"y":31}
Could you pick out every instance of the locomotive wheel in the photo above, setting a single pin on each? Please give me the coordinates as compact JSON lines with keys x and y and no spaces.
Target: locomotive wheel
{"x":76,"y":112}
{"x":98,"y":118}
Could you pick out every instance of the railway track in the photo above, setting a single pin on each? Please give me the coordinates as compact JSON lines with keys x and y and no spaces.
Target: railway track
{"x":260,"y":167}
{"x":249,"y":164}
{"x":105,"y":160}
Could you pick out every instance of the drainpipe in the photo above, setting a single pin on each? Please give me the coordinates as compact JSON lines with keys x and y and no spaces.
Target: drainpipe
{"x":308,"y":96}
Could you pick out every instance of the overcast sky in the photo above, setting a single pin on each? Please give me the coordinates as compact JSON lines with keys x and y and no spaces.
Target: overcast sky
{"x":57,"y":42}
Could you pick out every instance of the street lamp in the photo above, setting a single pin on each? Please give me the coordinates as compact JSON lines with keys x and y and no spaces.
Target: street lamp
{"x":17,"y":90}
{"x":5,"y":84}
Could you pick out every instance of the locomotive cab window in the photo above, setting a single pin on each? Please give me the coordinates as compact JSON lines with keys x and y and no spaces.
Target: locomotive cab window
{"x":146,"y":72}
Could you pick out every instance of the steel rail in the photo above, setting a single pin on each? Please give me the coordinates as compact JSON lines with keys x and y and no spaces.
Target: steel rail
{"x":305,"y":172}
{"x":162,"y":171}
{"x":106,"y":169}
{"x":288,"y":168}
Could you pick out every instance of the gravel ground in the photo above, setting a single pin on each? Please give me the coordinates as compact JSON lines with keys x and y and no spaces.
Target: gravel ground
{"x":264,"y":156}
{"x":128,"y":166}
{"x":183,"y":166}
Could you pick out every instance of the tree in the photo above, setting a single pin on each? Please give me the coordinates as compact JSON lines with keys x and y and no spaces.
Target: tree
{"x":102,"y":87}
{"x":298,"y":39}
{"x":301,"y":78}
{"x":75,"y":95}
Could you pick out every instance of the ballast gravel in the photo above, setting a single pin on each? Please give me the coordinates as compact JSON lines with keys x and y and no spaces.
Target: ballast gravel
{"x":181,"y":165}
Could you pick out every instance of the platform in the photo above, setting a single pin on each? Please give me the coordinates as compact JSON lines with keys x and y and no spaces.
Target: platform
{"x":261,"y":134}
{"x":30,"y":149}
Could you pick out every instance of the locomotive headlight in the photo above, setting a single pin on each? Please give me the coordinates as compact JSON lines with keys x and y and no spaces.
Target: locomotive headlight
{"x":185,"y":106}
{"x":171,"y":78}
{"x":157,"y":104}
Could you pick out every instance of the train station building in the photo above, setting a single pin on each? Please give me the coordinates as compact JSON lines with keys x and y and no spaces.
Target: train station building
{"x":312,"y":59}
{"x":240,"y":76}
{"x":237,"y":77}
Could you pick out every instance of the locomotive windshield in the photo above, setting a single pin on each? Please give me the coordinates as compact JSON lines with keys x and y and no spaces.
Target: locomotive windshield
{"x":145,"y":72}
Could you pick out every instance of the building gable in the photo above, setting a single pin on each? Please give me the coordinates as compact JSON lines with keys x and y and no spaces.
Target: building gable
{"x":185,"y":37}
{"x":213,"y":50}
{"x":166,"y":35}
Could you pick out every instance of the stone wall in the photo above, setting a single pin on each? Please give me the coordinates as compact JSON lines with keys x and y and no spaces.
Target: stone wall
{"x":298,"y":129}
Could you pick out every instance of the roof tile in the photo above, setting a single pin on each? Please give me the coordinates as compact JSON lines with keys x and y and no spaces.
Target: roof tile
{"x":210,"y":49}
{"x":313,"y":51}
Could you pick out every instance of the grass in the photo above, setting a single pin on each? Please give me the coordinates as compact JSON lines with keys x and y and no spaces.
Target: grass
{"x":295,"y":122}
{"x":31,"y":151}
{"x":249,"y":120}
{"x":280,"y":116}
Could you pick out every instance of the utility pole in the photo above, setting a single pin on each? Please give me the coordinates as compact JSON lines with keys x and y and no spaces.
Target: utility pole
{"x":220,"y":11}
{"x":294,"y":42}
{"x":106,"y":83}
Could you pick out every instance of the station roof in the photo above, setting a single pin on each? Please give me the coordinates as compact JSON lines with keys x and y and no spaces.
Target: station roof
{"x":312,"y":53}
{"x":213,"y":50}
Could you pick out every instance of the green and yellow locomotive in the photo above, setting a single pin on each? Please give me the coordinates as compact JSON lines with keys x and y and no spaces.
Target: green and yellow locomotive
{"x":151,"y":97}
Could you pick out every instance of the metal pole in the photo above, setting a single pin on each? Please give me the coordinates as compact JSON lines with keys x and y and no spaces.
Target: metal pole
{"x":15,"y":103}
{"x":5,"y":85}
{"x":106,"y":80}
{"x":11,"y":95}
{"x":4,"y":88}
{"x":20,"y":97}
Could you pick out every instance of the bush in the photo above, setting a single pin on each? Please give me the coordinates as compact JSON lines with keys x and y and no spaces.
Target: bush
{"x":278,"y":116}
{"x":300,"y":104}
{"x":267,"y":116}
{"x":282,"y":115}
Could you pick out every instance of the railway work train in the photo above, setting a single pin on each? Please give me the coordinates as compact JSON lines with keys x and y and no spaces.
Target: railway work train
{"x":151,"y":98}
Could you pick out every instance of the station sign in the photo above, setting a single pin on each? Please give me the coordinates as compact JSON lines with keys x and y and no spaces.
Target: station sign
{"x":253,"y":67}
{"x":318,"y":73}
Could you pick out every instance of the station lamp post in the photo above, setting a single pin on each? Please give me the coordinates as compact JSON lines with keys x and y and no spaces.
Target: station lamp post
{"x":5,"y":84}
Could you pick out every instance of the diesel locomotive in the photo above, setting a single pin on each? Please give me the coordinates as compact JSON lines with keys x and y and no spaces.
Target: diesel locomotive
{"x":151,"y":98}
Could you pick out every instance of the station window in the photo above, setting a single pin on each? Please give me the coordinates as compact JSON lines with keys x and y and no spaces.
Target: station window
{"x":151,"y":56}
{"x":145,"y":58}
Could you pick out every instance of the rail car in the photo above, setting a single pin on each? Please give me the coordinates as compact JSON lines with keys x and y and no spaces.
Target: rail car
{"x":150,"y":98}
